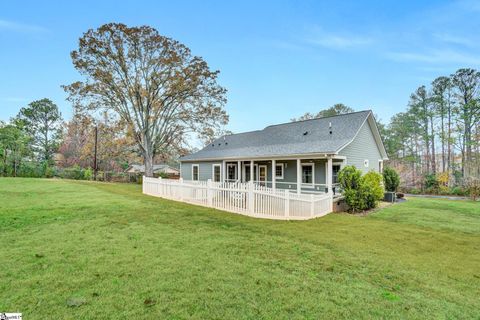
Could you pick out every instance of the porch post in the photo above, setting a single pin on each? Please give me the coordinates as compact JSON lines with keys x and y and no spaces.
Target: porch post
{"x":239,"y":171}
{"x":299,"y":176}
{"x":274,"y":169}
{"x":251,"y":171}
{"x":329,"y":175}
{"x":224,"y":171}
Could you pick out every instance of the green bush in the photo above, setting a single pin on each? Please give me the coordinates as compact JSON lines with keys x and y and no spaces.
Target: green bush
{"x":415,"y":191}
{"x":371,"y":189}
{"x":431,"y":183}
{"x":391,"y":179}
{"x":75,"y":173}
{"x":443,"y":190}
{"x":458,"y":191}
{"x":163,"y":175}
{"x":349,"y":177}
{"x":88,"y":174}
{"x":473,"y":187}
{"x":360,"y":192}
{"x":50,"y":172}
{"x":30,"y":170}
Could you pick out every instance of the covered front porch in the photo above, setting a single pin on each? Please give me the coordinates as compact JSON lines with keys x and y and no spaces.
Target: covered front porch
{"x":311,"y":175}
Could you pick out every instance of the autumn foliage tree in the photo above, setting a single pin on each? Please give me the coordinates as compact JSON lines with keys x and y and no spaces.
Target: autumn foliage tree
{"x":114,"y":146}
{"x":151,"y":82}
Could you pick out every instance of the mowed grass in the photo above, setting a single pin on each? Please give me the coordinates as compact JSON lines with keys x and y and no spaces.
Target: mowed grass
{"x":84,"y":250}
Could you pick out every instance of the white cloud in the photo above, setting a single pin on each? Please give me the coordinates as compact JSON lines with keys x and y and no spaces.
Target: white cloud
{"x":449,"y":38}
{"x":435,"y":57}
{"x":14,"y":99}
{"x":20,"y":27}
{"x":337,"y":41}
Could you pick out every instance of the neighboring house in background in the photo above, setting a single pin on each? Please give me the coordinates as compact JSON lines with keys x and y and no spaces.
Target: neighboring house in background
{"x":157,"y":170}
{"x":303,"y":156}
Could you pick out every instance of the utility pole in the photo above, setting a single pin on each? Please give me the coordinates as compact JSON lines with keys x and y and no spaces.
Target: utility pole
{"x":95,"y":168}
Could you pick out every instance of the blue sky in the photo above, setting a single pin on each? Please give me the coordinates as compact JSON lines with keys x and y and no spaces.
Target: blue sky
{"x":278,"y":59}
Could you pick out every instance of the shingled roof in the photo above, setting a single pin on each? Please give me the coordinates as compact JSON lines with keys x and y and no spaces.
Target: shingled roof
{"x":294,"y":138}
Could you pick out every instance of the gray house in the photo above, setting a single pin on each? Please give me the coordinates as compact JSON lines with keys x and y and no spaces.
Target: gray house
{"x":304,"y":156}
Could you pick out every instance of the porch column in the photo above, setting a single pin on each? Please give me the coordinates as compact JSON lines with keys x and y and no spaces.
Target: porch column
{"x":239,"y":171}
{"x":274,"y":163}
{"x":299,"y":176}
{"x":329,"y":175}
{"x":251,"y":171}
{"x":224,"y":171}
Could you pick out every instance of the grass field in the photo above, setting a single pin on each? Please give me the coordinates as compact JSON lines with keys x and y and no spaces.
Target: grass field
{"x":80,"y":250}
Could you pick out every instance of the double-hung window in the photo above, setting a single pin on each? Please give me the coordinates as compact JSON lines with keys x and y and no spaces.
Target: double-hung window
{"x":195,"y":172}
{"x":216,"y":173}
{"x":308,"y":174}
{"x":279,"y":171}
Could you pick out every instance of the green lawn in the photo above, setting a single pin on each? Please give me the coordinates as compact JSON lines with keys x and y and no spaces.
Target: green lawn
{"x":79,"y":250}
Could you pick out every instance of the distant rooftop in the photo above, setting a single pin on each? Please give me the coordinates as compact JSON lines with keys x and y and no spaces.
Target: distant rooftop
{"x":156,"y":167}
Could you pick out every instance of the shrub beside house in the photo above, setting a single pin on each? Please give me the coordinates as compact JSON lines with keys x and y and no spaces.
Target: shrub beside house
{"x":361,"y":192}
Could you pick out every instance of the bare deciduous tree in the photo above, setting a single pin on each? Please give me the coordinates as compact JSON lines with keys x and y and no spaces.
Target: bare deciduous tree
{"x":151,"y":82}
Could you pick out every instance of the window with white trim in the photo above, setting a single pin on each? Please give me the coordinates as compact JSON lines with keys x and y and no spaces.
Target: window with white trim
{"x":216,"y":175}
{"x":232,"y":171}
{"x":308,"y":173}
{"x":279,"y":171}
{"x":195,"y":172}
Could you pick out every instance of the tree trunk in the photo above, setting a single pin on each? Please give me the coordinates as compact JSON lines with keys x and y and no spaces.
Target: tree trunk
{"x":449,"y":137}
{"x":5,"y":162}
{"x":468,"y":149}
{"x":426,"y":136}
{"x":148,"y":161}
{"x":463,"y":156}
{"x":443,"y":139}
{"x":46,"y":142}
{"x":434,"y":162}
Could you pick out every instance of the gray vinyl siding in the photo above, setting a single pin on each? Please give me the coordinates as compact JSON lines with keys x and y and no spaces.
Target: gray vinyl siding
{"x":289,"y":180}
{"x":363,"y":147}
{"x":205,"y":170}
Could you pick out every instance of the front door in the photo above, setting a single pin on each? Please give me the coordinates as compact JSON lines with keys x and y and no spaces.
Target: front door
{"x":262,"y":174}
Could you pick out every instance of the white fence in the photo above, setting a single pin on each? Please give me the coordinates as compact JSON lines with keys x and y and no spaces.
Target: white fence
{"x":244,"y":198}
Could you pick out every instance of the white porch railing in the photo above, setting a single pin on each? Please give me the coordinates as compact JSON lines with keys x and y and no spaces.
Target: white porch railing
{"x":243,"y":198}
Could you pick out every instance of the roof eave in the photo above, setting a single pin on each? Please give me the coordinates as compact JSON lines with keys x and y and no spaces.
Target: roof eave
{"x":318,"y":155}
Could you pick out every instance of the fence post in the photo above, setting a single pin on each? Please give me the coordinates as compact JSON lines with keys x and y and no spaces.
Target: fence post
{"x":287,"y":203}
{"x":312,"y":205}
{"x":331,"y":202}
{"x":209,"y":192}
{"x":251,"y":198}
{"x":180,"y":194}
